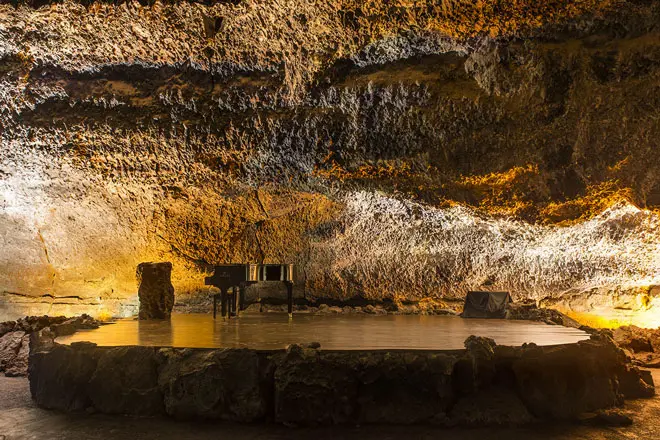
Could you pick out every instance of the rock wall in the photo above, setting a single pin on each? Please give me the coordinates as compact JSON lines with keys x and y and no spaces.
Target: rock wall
{"x":390,"y":149}
{"x":482,"y":385}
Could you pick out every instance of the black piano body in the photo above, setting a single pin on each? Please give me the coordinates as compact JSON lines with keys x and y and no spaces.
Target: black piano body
{"x":238,"y":276}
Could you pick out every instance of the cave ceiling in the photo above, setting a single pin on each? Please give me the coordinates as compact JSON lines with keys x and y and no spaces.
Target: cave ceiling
{"x":400,"y":150}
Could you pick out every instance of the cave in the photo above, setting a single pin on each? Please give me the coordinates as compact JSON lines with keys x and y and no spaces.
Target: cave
{"x":382,"y":159}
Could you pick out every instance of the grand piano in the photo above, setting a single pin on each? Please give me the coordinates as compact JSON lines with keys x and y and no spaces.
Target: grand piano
{"x":233,"y":279}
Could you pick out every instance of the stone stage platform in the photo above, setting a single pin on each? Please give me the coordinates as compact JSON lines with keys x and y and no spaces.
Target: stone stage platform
{"x":273,"y":331}
{"x":361,"y":382}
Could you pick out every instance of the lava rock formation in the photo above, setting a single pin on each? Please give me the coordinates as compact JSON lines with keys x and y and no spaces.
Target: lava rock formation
{"x":391,"y":150}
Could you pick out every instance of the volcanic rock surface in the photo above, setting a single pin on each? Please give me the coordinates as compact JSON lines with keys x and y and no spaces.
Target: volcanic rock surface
{"x":156,"y":293}
{"x":399,"y":150}
{"x":17,"y":338}
{"x":642,"y":344}
{"x":484,"y":384}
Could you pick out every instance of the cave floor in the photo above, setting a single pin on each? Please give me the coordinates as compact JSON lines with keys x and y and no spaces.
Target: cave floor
{"x":274,"y":331}
{"x":21,"y":419}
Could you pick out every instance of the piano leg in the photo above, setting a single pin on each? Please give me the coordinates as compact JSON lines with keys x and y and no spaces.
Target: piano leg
{"x":241,"y":298}
{"x":223,"y":303}
{"x":234,"y":298}
{"x":289,"y":297}
{"x":215,"y":305}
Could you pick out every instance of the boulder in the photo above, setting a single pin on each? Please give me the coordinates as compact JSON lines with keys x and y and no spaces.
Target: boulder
{"x":642,"y":344}
{"x":636,"y":339}
{"x":403,"y":388}
{"x":326,"y":309}
{"x":18,"y":366}
{"x":156,"y":292}
{"x":15,"y":344}
{"x":125,"y":381}
{"x":30,"y":324}
{"x":311,"y":388}
{"x":530,"y":312}
{"x":10,"y":345}
{"x":494,"y":406}
{"x":647,"y":377}
{"x":6,"y":327}
{"x":633,"y":383}
{"x":64,"y":329}
{"x":59,"y":377}
{"x":374,"y":310}
{"x":217,"y":384}
{"x":314,"y":387}
{"x":70,"y":326}
{"x":44,"y":339}
{"x":409,"y":309}
{"x":476,"y":368}
{"x":86,"y":322}
{"x":564,"y":381}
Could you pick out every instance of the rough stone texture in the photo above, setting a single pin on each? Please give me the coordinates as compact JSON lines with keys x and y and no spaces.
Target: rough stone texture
{"x":156,"y":292}
{"x":569,"y":380}
{"x":30,"y":324}
{"x":217,"y":384}
{"x":10,"y":345}
{"x":205,"y":133}
{"x":307,"y":386}
{"x":608,"y":418}
{"x":70,"y":326}
{"x":493,"y":406}
{"x":18,"y":336}
{"x":6,"y":327}
{"x":480,"y":355}
{"x":531,"y":312}
{"x":311,"y":388}
{"x":59,"y":377}
{"x":634,"y":339}
{"x":44,"y":340}
{"x":405,"y":388}
{"x":643,"y":344}
{"x":18,"y":366}
{"x":633,"y":384}
{"x":125,"y":381}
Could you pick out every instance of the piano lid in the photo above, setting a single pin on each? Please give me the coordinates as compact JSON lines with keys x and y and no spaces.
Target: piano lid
{"x":235,"y":274}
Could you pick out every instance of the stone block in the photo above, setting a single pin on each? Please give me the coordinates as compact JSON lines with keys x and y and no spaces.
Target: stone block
{"x":10,"y":345}
{"x":18,"y":367}
{"x":216,"y":384}
{"x":156,"y":292}
{"x":313,"y":388}
{"x":125,"y":381}
{"x":562,"y":382}
{"x":59,"y":377}
{"x":403,"y":388}
{"x":494,"y":406}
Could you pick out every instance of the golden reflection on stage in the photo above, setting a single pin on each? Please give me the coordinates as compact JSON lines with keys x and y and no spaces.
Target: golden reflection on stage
{"x":270,"y":331}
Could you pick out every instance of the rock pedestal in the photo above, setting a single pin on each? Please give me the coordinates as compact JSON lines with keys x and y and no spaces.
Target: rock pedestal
{"x":156,"y":292}
{"x":484,"y":385}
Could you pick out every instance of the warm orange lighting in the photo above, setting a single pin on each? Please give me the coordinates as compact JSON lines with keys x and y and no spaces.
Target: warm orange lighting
{"x":606,"y":317}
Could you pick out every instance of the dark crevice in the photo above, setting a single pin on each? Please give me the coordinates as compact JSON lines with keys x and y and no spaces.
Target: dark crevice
{"x":45,"y":295}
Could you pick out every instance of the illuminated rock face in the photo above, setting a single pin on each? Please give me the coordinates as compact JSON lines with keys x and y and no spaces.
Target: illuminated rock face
{"x":258,"y":132}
